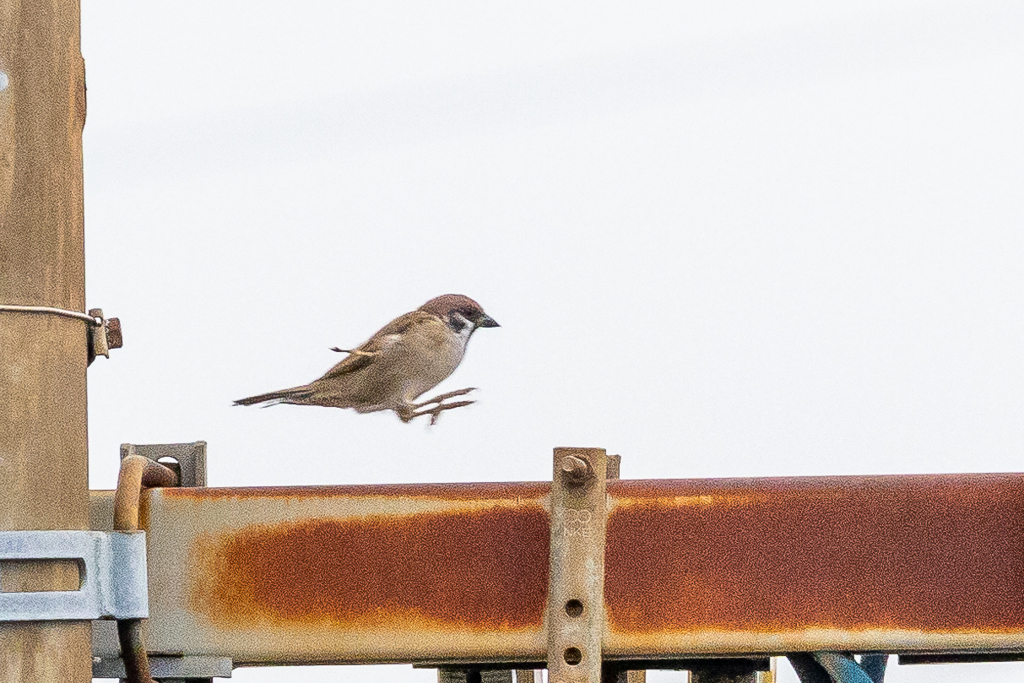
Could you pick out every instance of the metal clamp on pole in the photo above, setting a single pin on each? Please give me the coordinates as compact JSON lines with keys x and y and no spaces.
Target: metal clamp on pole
{"x":575,"y":610}
{"x":104,"y":334}
{"x":144,"y":466}
{"x":113,"y":569}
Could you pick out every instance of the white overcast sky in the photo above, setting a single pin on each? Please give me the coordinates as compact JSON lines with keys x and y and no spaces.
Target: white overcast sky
{"x":722,"y":238}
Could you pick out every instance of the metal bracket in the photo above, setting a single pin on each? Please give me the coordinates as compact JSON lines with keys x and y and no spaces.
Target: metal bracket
{"x":103,"y":336}
{"x":187,"y":668}
{"x":473,"y":675}
{"x":575,"y":611}
{"x":187,"y":459}
{"x":113,"y":571}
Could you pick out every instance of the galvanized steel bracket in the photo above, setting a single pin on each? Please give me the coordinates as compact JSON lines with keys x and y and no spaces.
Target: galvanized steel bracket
{"x":575,"y":610}
{"x":187,"y":459}
{"x":113,"y":575}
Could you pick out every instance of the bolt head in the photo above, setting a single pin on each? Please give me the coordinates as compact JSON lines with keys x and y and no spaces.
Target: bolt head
{"x":576,"y":470}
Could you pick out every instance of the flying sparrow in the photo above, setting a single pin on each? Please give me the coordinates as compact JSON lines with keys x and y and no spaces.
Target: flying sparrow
{"x":406,"y":358}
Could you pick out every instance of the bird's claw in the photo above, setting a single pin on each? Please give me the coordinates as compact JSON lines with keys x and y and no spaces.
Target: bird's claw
{"x":443,"y":397}
{"x":413,"y":411}
{"x":435,"y":412}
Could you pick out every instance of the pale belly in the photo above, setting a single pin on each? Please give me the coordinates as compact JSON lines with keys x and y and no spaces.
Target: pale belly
{"x":414,"y":367}
{"x":433,"y":368}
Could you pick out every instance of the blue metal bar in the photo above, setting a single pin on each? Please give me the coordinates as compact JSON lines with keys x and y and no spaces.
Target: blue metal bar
{"x":874,"y":666}
{"x":808,"y":670}
{"x":842,"y":668}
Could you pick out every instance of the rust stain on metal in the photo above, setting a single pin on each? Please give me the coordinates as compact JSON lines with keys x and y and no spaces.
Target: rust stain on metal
{"x":938,"y":553}
{"x":467,"y":492}
{"x":480,"y":569}
{"x":115,"y":339}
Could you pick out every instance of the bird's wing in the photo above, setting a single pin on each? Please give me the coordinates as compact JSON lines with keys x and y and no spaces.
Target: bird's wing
{"x":387,"y":339}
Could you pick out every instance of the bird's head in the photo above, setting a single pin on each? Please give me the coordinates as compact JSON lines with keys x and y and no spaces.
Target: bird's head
{"x":459,"y":312}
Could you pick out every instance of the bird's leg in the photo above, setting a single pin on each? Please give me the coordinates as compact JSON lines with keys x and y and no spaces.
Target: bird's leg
{"x":435,"y":412}
{"x":411,"y":411}
{"x":443,"y":397}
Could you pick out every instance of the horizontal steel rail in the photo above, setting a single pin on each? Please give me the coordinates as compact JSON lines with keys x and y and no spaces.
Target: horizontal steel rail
{"x":693,"y":568}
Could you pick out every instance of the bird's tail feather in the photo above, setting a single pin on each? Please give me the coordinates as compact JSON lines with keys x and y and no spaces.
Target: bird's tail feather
{"x":297,"y":395}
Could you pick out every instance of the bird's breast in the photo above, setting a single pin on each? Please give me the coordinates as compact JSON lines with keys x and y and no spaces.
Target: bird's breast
{"x":434,"y":351}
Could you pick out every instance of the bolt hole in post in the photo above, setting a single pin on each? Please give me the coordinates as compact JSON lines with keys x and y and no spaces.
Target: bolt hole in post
{"x":172,"y":463}
{"x":572,"y":656}
{"x":574,"y":608}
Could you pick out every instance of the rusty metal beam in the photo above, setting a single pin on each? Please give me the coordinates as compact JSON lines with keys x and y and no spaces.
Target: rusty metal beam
{"x":458,"y":573}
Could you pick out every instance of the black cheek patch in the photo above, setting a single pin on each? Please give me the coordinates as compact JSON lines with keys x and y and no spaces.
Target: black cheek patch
{"x":457,"y":323}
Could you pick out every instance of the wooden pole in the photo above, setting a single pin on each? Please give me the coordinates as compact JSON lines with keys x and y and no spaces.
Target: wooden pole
{"x":43,"y":451}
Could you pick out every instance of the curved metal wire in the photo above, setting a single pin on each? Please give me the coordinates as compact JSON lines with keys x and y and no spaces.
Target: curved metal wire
{"x":17,"y":308}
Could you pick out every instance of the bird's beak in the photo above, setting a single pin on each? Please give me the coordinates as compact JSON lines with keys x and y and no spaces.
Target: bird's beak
{"x":487,"y":321}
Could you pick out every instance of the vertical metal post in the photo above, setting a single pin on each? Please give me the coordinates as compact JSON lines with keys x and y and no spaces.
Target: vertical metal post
{"x":575,"y":611}
{"x":43,"y":460}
